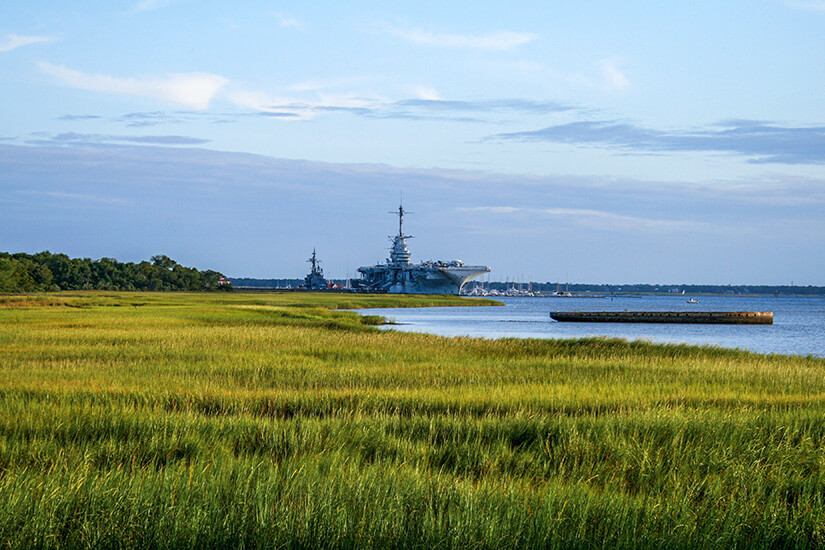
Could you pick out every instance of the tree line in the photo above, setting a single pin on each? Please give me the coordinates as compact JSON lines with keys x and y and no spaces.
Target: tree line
{"x":44,"y":271}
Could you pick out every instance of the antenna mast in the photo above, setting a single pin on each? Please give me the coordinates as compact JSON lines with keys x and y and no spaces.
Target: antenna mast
{"x":400,"y":212}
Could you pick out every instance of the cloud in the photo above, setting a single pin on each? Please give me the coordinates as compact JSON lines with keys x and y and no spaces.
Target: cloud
{"x":446,"y":109}
{"x":79,"y":117}
{"x":287,"y":22}
{"x":485,"y":106}
{"x":428,"y":94}
{"x":161,"y":140}
{"x":198,"y":91}
{"x":762,"y":141}
{"x":329,"y":83}
{"x":145,"y":119}
{"x":14,"y":41}
{"x":818,"y":7}
{"x":289,"y":108}
{"x":154,"y":118}
{"x":264,"y":215}
{"x":496,"y":41}
{"x":428,"y":107}
{"x":492,"y":209}
{"x":75,"y":138}
{"x":459,"y":110}
{"x":599,"y":219}
{"x":81,"y":197}
{"x":150,"y":5}
{"x":614,"y":79}
{"x":194,"y":90}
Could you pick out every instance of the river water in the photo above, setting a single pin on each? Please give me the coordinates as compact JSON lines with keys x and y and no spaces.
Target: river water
{"x":798,"y":329}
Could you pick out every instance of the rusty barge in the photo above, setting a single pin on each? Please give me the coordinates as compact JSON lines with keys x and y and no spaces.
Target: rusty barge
{"x":697,"y":317}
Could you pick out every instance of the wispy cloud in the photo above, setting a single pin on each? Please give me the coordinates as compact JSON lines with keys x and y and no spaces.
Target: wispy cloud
{"x":613,"y":77}
{"x":81,"y":197}
{"x":808,"y":6}
{"x":597,"y":219}
{"x":428,"y":107}
{"x":498,"y":40}
{"x":330,"y":84}
{"x":286,"y":21}
{"x":194,"y":90}
{"x":290,"y":108}
{"x":79,"y":117}
{"x":149,"y":5}
{"x":763,"y":142}
{"x":146,"y":119}
{"x":153,"y":118}
{"x":198,"y":90}
{"x":73,"y":138}
{"x":427,"y":93}
{"x":14,"y":41}
{"x":485,"y":106}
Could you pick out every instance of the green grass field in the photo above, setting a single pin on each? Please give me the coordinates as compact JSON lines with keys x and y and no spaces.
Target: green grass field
{"x":138,"y":420}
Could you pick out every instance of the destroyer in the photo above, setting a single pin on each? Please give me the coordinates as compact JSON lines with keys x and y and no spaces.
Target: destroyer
{"x":400,"y":276}
{"x":315,"y":279}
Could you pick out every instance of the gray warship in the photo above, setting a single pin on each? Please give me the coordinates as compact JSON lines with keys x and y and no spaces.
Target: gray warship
{"x":315,"y":279}
{"x":400,"y":276}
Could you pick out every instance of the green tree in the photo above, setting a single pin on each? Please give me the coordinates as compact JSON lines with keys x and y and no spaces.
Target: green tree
{"x":161,"y":260}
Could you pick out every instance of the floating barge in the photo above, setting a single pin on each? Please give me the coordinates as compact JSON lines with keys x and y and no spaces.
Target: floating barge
{"x":698,"y":317}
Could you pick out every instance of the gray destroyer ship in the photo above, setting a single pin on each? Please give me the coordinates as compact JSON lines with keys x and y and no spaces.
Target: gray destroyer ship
{"x":315,"y":280}
{"x":400,"y":276}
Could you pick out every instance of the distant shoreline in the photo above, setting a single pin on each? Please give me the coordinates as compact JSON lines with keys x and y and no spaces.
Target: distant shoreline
{"x":546,"y":288}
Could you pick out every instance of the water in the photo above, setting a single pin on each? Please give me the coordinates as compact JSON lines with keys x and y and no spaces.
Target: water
{"x":798,"y":329}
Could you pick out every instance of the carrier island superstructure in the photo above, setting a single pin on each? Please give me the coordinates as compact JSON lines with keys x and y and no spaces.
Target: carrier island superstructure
{"x":400,"y":276}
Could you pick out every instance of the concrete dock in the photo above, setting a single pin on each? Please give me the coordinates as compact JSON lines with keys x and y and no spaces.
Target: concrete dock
{"x":698,"y":317}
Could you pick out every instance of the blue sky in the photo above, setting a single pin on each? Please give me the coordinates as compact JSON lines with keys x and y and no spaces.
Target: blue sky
{"x":663,"y":142}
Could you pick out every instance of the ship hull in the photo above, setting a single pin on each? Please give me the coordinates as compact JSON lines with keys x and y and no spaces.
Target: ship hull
{"x":418,"y":279}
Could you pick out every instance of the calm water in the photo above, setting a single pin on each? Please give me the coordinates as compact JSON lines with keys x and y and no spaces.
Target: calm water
{"x":798,"y":329}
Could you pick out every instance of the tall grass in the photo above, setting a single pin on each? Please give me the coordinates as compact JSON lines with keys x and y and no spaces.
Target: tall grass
{"x":268,"y":421}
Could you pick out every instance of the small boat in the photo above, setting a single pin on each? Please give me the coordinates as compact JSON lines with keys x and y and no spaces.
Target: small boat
{"x":691,"y":301}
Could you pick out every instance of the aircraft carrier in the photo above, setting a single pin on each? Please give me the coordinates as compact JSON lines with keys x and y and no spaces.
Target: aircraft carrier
{"x":400,"y":276}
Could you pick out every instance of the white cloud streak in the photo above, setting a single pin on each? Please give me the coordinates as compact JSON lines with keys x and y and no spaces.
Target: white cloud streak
{"x":149,"y":5}
{"x":14,"y":41}
{"x":198,"y":90}
{"x":427,"y":93}
{"x":497,"y":41}
{"x":597,"y":219}
{"x":288,"y":22}
{"x":81,"y":197}
{"x":194,"y":90}
{"x":302,"y":109}
{"x":818,"y":7}
{"x":613,"y":78}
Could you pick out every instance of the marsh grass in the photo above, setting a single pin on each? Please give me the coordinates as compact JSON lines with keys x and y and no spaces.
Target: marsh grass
{"x":262,"y":420}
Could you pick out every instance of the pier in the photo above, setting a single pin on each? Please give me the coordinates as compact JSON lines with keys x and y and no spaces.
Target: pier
{"x":697,"y":317}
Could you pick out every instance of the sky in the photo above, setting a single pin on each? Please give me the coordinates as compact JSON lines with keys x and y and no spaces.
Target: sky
{"x":592,"y":142}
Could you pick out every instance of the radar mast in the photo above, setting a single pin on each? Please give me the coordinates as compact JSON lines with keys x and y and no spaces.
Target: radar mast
{"x":399,"y":253}
{"x":316,"y":267}
{"x":400,"y":212}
